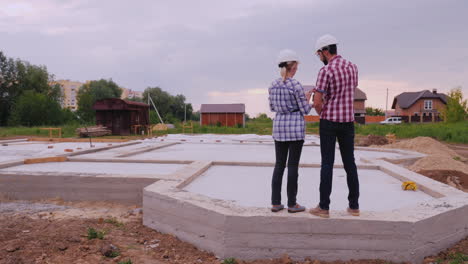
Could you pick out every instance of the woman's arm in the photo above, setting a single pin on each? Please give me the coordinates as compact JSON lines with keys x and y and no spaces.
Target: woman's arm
{"x":302,"y":99}
{"x":270,"y":100}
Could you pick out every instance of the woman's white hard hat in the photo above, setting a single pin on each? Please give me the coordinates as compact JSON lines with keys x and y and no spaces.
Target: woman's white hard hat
{"x":287,"y":55}
{"x":324,"y":41}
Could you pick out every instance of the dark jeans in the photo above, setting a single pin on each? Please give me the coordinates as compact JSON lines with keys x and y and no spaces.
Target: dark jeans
{"x":282,"y":149}
{"x":344,"y":132}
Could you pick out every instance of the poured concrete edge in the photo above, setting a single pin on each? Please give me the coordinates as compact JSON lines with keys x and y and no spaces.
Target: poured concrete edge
{"x":94,"y":150}
{"x":121,"y":160}
{"x":11,"y":163}
{"x":146,"y":149}
{"x":229,"y":230}
{"x":13,"y":140}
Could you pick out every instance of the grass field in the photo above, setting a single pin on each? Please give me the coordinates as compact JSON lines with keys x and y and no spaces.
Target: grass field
{"x":449,"y":132}
{"x":455,"y":132}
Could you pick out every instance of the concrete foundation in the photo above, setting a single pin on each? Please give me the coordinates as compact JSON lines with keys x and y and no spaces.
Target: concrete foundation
{"x":407,"y":232}
{"x":192,"y":198}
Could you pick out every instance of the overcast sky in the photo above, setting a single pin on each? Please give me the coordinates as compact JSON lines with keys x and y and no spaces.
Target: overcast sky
{"x":215,"y":51}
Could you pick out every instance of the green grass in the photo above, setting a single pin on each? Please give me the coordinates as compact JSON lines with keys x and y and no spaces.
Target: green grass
{"x":263,"y":127}
{"x":458,"y":258}
{"x":114,"y":222}
{"x":114,"y":254}
{"x":67,"y":131}
{"x":229,"y":261}
{"x":449,"y":132}
{"x":93,"y":234}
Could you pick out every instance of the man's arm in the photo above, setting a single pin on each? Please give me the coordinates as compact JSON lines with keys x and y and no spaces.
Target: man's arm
{"x":318,"y":102}
{"x":321,"y":87}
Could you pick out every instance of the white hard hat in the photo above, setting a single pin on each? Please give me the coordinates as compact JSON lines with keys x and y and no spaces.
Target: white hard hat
{"x":324,"y":41}
{"x":287,"y":55}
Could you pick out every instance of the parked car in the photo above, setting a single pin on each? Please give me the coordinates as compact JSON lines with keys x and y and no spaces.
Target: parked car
{"x":391,"y":121}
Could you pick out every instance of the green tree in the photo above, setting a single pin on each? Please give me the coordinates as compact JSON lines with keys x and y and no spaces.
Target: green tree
{"x":171,"y":108}
{"x":17,"y":77}
{"x":195,"y":116}
{"x":262,"y":117}
{"x":8,"y":83}
{"x":36,"y":109}
{"x":135,"y":99}
{"x":370,"y":111}
{"x":92,"y":91}
{"x":457,"y":108}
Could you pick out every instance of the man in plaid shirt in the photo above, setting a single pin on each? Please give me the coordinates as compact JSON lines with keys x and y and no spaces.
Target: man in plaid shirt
{"x":334,"y":102}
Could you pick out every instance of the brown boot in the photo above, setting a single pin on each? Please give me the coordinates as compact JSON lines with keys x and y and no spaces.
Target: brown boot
{"x":354,"y":212}
{"x":317,"y":211}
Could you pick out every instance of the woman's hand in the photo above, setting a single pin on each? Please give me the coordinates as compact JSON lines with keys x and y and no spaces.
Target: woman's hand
{"x":308,"y":94}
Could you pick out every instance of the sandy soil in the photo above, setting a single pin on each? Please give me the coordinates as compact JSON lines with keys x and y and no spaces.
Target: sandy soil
{"x":439,"y":156}
{"x":54,"y":231}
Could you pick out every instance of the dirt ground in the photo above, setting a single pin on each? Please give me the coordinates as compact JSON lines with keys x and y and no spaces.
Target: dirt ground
{"x":57,"y":232}
{"x":460,"y":149}
{"x":453,"y":178}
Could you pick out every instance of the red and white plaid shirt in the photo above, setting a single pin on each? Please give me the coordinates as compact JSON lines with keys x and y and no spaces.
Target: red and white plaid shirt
{"x":337,"y":82}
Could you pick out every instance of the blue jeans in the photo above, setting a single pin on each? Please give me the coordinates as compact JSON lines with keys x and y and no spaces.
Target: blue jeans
{"x":344,"y":132}
{"x":283,"y":149}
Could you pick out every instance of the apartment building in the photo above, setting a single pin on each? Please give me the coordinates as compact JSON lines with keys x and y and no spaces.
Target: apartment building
{"x":69,"y":93}
{"x":130,"y":94}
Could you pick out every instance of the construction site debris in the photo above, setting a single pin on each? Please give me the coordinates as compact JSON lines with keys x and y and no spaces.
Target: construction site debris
{"x":94,"y":131}
{"x":373,"y":140}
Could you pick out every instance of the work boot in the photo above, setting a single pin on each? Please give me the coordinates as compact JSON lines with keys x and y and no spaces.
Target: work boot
{"x":277,"y":208}
{"x":317,"y":211}
{"x":296,"y":209}
{"x":353,"y":212}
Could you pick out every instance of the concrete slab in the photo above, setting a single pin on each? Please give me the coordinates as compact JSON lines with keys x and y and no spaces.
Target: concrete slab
{"x":246,"y":153}
{"x":251,"y":186}
{"x":28,"y":149}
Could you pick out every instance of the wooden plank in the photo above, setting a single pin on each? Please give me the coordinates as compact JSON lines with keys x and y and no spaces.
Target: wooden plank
{"x":45,"y":160}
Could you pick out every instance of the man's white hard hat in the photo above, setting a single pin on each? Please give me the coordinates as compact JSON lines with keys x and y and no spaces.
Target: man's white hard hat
{"x":324,"y":41}
{"x":287,"y":55}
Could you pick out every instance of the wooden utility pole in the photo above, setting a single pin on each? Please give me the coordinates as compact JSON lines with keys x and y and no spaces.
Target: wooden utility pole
{"x":386,"y":104}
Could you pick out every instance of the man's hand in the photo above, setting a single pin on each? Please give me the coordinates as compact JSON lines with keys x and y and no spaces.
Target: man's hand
{"x":318,"y":102}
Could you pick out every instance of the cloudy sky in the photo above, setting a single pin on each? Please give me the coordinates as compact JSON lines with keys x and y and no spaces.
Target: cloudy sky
{"x":216,"y":51}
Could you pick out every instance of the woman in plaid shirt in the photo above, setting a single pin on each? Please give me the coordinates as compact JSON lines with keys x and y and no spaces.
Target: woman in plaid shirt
{"x":290,"y":102}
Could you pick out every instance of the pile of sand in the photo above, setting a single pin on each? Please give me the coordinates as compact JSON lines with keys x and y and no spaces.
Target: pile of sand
{"x":424,"y":145}
{"x":439,"y":162}
{"x":440,"y":157}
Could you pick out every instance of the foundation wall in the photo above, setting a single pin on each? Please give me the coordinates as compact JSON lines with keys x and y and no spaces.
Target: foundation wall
{"x":73,"y":188}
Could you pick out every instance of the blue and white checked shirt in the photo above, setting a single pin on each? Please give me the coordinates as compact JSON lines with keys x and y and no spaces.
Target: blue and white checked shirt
{"x":289,"y":102}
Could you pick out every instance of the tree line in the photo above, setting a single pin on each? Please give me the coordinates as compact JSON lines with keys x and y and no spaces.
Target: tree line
{"x":30,"y":97}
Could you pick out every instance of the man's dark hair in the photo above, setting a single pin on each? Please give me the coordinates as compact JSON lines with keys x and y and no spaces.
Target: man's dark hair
{"x":331,"y":48}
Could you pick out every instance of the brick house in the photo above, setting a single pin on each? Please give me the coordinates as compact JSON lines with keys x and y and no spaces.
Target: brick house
{"x":359,"y":106}
{"x":359,"y":103}
{"x":422,"y":106}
